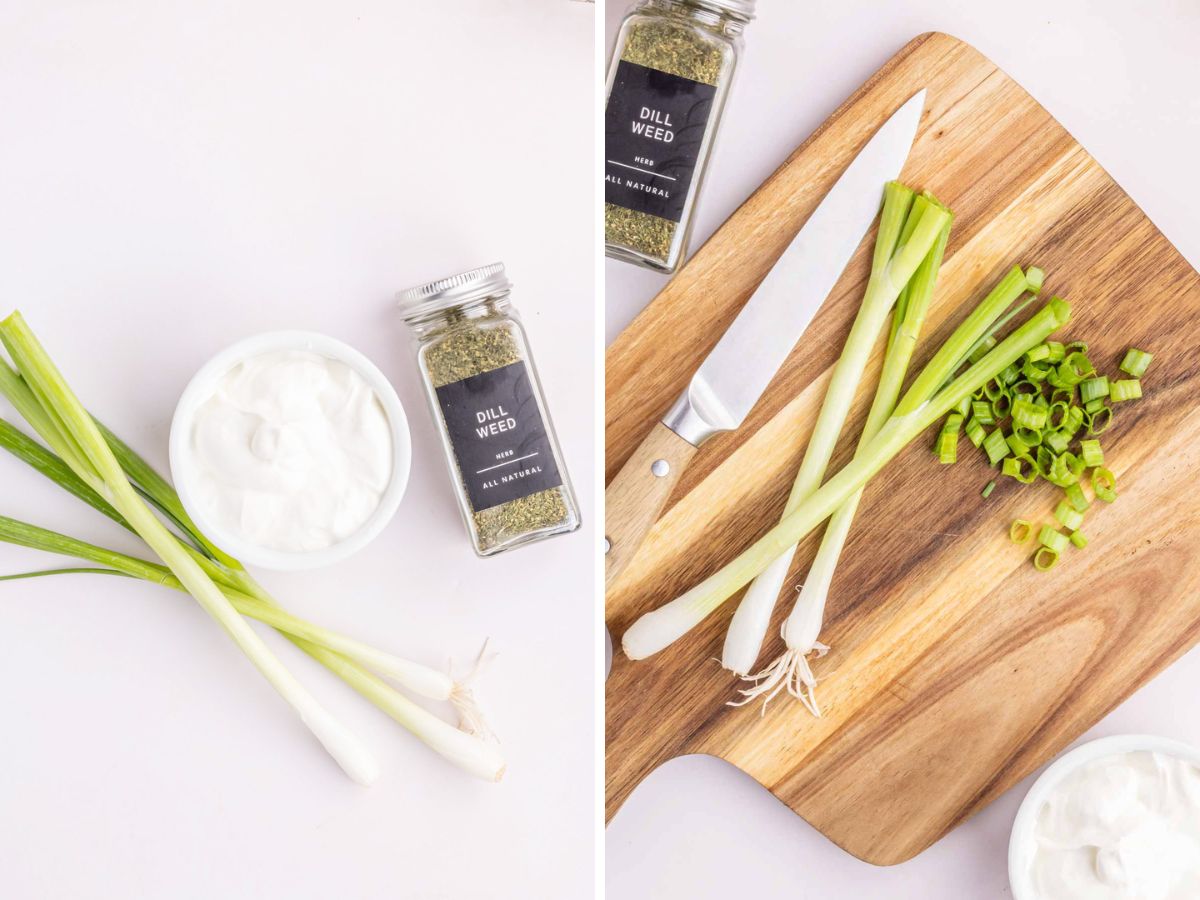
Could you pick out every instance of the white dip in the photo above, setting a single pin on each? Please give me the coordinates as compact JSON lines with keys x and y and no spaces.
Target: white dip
{"x":1126,"y":827}
{"x":292,"y":452}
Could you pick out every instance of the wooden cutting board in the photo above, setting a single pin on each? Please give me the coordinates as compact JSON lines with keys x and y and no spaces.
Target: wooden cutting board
{"x":956,"y":668}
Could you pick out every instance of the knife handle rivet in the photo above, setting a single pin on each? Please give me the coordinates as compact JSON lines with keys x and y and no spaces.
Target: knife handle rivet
{"x":660,"y":467}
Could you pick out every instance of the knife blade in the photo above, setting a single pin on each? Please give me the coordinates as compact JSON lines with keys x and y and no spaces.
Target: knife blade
{"x":738,"y":369}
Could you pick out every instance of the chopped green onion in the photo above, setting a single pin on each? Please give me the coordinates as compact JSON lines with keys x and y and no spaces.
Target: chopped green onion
{"x":1010,"y":375}
{"x":1104,"y":484}
{"x":1074,"y":421}
{"x":1092,"y":453}
{"x":988,"y":488}
{"x":1029,"y":436}
{"x":1040,"y":352}
{"x":1056,"y":441}
{"x":1036,"y":278}
{"x":1051,"y":537}
{"x":1027,"y":414}
{"x":1057,"y":352}
{"x":994,"y":389}
{"x":947,"y":447}
{"x":975,"y":432}
{"x":1045,"y":559}
{"x":1062,"y":395}
{"x":1036,"y":371}
{"x":1044,"y":459}
{"x":1062,"y":471}
{"x":981,"y":349}
{"x":1069,"y":517}
{"x":1001,"y":407}
{"x":1136,"y":362}
{"x":1093,"y":388}
{"x":981,"y":410}
{"x":1125,"y":389}
{"x":1076,"y":498}
{"x":1076,"y":347}
{"x":1013,"y":466}
{"x":1017,"y":445}
{"x":953,"y":423}
{"x":1098,"y":422}
{"x":1079,"y":539}
{"x":1020,"y":531}
{"x":964,"y":407}
{"x":1075,"y":368}
{"x":1095,"y":405}
{"x":995,"y":446}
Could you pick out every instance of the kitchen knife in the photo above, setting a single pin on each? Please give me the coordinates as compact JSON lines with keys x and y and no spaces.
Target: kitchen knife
{"x":742,"y":364}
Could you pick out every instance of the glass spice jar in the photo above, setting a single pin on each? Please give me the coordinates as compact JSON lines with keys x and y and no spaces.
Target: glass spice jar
{"x":671,"y":72}
{"x":487,"y":402}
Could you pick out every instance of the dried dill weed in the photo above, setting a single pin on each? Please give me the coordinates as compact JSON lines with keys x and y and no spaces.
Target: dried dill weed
{"x":667,"y":85}
{"x":487,"y":402}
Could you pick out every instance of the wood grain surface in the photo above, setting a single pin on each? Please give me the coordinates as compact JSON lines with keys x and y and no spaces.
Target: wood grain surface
{"x":956,"y":668}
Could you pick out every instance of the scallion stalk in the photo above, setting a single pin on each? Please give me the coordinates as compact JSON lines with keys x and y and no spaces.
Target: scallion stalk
{"x":663,"y":626}
{"x":894,"y":262}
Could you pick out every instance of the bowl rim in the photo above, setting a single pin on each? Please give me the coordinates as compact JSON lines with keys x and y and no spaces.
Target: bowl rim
{"x":200,"y":387}
{"x":1020,"y":843}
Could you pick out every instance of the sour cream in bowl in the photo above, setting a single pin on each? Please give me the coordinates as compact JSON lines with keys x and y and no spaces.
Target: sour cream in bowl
{"x":290,"y":450}
{"x":1114,"y":819}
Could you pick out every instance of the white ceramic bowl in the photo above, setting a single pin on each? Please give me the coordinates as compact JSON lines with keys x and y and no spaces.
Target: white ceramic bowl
{"x":202,"y":386}
{"x":1021,"y":845}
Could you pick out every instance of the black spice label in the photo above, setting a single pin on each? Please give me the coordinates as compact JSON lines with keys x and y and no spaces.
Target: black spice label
{"x":498,"y":435}
{"x":654,"y":126}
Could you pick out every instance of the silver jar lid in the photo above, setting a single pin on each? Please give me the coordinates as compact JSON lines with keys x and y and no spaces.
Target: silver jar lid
{"x":476,"y":284}
{"x":741,"y":9}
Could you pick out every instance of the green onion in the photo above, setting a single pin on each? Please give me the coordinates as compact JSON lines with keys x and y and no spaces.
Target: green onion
{"x":1076,"y":498}
{"x":911,"y":239}
{"x":995,"y":446}
{"x":953,"y":423}
{"x":981,"y":349}
{"x":1001,"y":407}
{"x":1053,"y":538}
{"x":1136,"y":362}
{"x":1079,"y":539}
{"x":1125,"y":389}
{"x":1099,"y":421}
{"x":1068,"y":516}
{"x":981,"y":411}
{"x":975,"y":432}
{"x":66,"y":425}
{"x":1057,"y":352}
{"x":1093,"y":388}
{"x":1056,"y":441}
{"x":90,"y":461}
{"x":1045,"y":559}
{"x":1014,"y":467}
{"x":947,"y":447}
{"x":1027,"y":414}
{"x":988,"y":488}
{"x":1092,"y":453}
{"x":1040,"y":352}
{"x":1104,"y":485}
{"x":920,"y":407}
{"x":1018,"y":446}
{"x":1031,"y":437}
{"x":1075,"y":368}
{"x":1020,"y":531}
{"x":1036,"y":278}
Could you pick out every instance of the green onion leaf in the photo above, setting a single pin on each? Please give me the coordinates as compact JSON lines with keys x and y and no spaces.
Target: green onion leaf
{"x":1092,"y":453}
{"x":988,"y":488}
{"x":1045,"y":559}
{"x":1076,"y":498}
{"x":1093,"y":388}
{"x":995,"y":446}
{"x":1051,"y":537}
{"x":1020,"y":531}
{"x":1079,"y":539}
{"x":1069,"y":517}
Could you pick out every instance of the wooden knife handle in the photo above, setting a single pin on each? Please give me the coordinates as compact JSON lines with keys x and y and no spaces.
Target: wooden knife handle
{"x":635,"y":498}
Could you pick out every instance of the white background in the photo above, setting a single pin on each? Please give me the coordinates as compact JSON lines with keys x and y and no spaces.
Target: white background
{"x":175,"y":176}
{"x":1123,"y":79}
